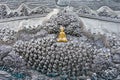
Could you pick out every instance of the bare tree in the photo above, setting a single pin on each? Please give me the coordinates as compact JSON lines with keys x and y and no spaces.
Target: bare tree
{"x":3,"y":11}
{"x":10,"y":15}
{"x":16,"y":14}
{"x":24,"y":11}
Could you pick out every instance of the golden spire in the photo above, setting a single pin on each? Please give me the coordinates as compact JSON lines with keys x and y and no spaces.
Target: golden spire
{"x":62,"y":35}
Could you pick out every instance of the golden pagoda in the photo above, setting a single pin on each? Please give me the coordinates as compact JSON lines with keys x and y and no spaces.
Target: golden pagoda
{"x":62,"y":35}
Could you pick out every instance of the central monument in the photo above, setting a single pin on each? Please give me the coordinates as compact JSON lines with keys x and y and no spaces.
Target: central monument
{"x":62,"y":35}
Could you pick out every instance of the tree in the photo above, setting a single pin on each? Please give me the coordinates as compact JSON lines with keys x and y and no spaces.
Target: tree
{"x":24,"y":11}
{"x":3,"y":11}
{"x":10,"y":15}
{"x":103,"y":13}
{"x":16,"y":14}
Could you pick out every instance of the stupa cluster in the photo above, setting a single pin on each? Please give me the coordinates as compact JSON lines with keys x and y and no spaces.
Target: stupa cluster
{"x":114,"y":41}
{"x":66,"y":59}
{"x":7,"y":35}
{"x":49,"y":57}
{"x":73,"y":25}
{"x":80,"y":58}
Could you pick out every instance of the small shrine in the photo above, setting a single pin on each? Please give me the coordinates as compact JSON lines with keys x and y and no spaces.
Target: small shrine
{"x":62,"y":36}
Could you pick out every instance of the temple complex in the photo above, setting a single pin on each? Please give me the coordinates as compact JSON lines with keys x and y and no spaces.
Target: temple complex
{"x":59,"y":39}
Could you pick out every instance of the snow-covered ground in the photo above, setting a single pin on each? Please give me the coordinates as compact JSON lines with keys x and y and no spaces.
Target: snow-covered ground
{"x":101,"y":26}
{"x":34,"y":22}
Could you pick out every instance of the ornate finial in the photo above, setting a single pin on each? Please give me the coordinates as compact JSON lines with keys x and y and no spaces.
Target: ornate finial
{"x":62,"y":35}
